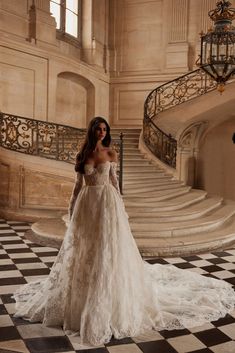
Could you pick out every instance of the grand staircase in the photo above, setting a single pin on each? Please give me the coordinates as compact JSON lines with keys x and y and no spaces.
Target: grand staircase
{"x":167,"y":218}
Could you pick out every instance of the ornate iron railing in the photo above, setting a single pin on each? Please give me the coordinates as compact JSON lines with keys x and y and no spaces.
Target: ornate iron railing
{"x":166,"y":96}
{"x":47,"y":139}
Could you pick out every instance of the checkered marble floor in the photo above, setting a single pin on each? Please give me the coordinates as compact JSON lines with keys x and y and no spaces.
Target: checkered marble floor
{"x":22,"y":261}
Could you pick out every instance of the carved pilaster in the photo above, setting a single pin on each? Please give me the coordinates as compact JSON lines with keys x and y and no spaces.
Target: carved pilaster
{"x":204,"y":20}
{"x":179,"y":21}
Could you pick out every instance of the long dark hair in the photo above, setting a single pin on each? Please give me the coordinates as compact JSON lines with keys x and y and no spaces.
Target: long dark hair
{"x":90,"y":142}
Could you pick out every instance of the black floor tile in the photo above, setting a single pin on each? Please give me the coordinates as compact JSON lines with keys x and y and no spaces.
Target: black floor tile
{"x":9,"y":242}
{"x":231,"y":280}
{"x":11,"y":281}
{"x":9,"y":333}
{"x":7,"y":267}
{"x":221,"y":253}
{"x":27,"y":260}
{"x":216,"y":261}
{"x":7,"y":298}
{"x":211,"y":268}
{"x":114,"y":341}
{"x":212,"y":337}
{"x":4,"y":256}
{"x":184,"y":265}
{"x":174,"y":333}
{"x":224,"y":321}
{"x":18,"y":251}
{"x":157,"y":261}
{"x":49,"y":344}
{"x":47,"y":253}
{"x":160,"y":346}
{"x":35,"y":272}
{"x":3,"y":311}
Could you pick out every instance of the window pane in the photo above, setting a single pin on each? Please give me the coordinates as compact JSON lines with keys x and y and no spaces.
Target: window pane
{"x":72,"y":5}
{"x":55,"y":10}
{"x":71,"y":23}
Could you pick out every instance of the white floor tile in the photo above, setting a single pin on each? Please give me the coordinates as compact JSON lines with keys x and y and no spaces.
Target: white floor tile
{"x":25,"y":255}
{"x":5,"y":321}
{"x":228,"y":347}
{"x":10,"y":274}
{"x":229,"y":330}
{"x":187,"y":343}
{"x":125,"y":348}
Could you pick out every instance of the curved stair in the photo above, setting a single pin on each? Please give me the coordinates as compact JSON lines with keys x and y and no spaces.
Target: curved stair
{"x":166,"y":217}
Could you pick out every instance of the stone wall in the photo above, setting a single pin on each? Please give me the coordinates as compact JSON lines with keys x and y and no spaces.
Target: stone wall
{"x":127,"y":48}
{"x":20,"y":199}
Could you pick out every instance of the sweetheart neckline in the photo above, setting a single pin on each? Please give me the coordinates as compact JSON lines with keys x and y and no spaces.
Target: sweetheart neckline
{"x":99,"y":164}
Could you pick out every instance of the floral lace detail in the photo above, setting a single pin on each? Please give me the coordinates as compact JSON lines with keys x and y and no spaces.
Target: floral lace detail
{"x":99,"y":285}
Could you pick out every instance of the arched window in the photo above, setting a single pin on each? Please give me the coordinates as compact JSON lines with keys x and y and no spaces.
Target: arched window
{"x":67,"y":14}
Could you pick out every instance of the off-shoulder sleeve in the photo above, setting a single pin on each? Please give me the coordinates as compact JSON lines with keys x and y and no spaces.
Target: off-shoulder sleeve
{"x":76,"y":189}
{"x":113,"y":176}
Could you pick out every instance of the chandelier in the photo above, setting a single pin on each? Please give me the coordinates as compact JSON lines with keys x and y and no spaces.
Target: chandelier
{"x":217,"y":56}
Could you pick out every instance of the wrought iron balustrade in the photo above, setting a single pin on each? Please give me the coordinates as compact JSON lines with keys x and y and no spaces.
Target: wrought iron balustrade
{"x":166,"y":96}
{"x":47,"y":139}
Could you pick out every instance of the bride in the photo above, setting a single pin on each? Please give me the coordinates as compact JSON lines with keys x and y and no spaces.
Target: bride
{"x":99,"y":286}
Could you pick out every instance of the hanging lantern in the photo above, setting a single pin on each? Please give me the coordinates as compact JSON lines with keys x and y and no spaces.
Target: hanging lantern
{"x":217,"y":56}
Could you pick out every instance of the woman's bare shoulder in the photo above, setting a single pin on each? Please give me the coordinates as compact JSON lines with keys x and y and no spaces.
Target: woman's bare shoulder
{"x":113,"y":155}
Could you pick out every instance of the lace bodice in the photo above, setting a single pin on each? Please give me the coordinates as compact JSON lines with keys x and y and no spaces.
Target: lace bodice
{"x":99,"y":175}
{"x":105,"y":173}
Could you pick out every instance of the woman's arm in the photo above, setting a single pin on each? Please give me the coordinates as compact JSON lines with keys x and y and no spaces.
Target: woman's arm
{"x":76,"y":189}
{"x":113,"y":170}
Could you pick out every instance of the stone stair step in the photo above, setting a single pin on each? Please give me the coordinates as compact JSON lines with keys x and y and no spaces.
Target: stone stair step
{"x":136,"y":162}
{"x":220,"y":238}
{"x":205,"y":223}
{"x":153,"y":197}
{"x":152,"y":188}
{"x":129,"y":183}
{"x":135,"y":176}
{"x":175,"y":203}
{"x":190,"y":212}
{"x":139,"y":167}
{"x":149,"y":184}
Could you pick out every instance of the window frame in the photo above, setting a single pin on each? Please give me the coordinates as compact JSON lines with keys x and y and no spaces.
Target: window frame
{"x":61,"y":34}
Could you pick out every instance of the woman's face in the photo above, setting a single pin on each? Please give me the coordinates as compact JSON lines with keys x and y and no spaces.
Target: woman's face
{"x":101,"y":131}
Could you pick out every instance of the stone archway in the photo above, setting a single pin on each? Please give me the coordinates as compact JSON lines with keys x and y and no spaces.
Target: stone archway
{"x":75,"y":99}
{"x":216,"y":160}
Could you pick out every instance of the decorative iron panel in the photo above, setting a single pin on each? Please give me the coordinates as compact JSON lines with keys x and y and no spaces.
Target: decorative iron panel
{"x":166,"y":96}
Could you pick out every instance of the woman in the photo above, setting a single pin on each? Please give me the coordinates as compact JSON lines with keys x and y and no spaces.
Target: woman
{"x":99,"y":285}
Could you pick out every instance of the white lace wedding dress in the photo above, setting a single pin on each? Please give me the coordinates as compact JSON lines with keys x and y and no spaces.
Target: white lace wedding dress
{"x":99,"y":285}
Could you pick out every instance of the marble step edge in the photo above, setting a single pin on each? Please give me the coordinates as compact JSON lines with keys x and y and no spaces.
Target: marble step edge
{"x":218,"y":239}
{"x":172,"y":229}
{"x":137,"y":161}
{"x":157,"y":196}
{"x":175,"y":203}
{"x":192,"y":211}
{"x":129,"y":182}
{"x":164,"y":247}
{"x":135,"y":188}
{"x":135,"y":176}
{"x":142,"y":190}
